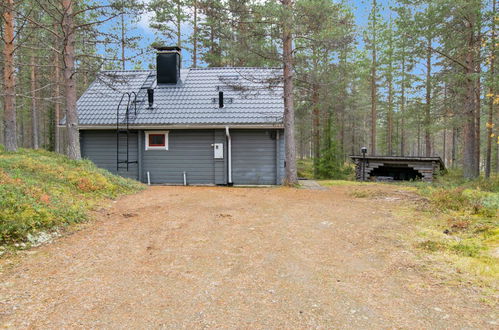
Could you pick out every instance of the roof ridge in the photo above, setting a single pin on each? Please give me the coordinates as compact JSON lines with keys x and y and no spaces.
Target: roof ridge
{"x":198,"y":69}
{"x":126,"y":71}
{"x":237,"y":68}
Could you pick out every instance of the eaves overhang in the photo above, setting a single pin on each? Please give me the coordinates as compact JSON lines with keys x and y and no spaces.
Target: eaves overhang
{"x":217,"y":126}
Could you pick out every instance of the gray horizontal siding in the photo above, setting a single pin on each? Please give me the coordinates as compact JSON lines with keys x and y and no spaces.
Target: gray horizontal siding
{"x":188,"y":150}
{"x":221,"y":164}
{"x":100,"y":148}
{"x":281,"y":157}
{"x":253,"y":157}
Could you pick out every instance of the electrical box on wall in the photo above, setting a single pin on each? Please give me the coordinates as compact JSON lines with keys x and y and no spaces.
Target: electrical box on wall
{"x":218,"y":150}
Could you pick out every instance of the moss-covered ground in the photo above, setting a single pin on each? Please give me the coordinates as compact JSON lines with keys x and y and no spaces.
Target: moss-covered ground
{"x":42,"y":191}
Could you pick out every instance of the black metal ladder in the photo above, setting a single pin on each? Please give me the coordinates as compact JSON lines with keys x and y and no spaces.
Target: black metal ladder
{"x":123,"y":131}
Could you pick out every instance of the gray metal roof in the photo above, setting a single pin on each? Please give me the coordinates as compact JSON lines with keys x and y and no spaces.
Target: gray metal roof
{"x":253,"y":96}
{"x":401,"y":159}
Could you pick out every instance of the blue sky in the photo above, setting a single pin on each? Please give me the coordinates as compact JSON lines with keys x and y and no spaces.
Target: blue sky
{"x":361,"y":9}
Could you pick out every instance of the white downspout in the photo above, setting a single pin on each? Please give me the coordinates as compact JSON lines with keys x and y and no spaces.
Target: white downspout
{"x":229,"y":155}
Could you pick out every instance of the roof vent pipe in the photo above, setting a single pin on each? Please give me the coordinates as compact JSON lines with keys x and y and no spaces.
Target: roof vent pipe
{"x":150,"y":97}
{"x":220,"y":99}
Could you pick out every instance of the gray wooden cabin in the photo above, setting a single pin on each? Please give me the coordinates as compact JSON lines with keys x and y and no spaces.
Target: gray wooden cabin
{"x":213,"y":126}
{"x":393,"y":168}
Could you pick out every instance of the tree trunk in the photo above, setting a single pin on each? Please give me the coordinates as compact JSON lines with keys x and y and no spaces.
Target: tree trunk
{"x":301,"y":143}
{"x":478,"y":92}
{"x":342,"y":133}
{"x":316,"y":127}
{"x":56,"y":95}
{"x":427,"y":115}
{"x":389,"y":114}
{"x":179,"y":24}
{"x":396,"y":130}
{"x":195,"y":36}
{"x":342,"y":117}
{"x":419,"y":136}
{"x":402,"y":107}
{"x":477,"y":120}
{"x":9,"y":78}
{"x":389,"y":131}
{"x":20,"y":130}
{"x":374,"y":98}
{"x":214,"y":62}
{"x":57,"y":104}
{"x":352,"y":125}
{"x":497,"y":157}
{"x":35,"y":131}
{"x":446,"y":116}
{"x":73,"y":134}
{"x":444,"y":144}
{"x":454,"y":147}
{"x":490,"y":119}
{"x":122,"y":41}
{"x":289,"y":115}
{"x":469,"y":130}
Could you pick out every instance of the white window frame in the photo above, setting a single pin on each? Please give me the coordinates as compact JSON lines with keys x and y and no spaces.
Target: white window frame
{"x":148,"y":147}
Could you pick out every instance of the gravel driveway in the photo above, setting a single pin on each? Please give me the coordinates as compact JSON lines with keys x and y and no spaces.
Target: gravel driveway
{"x":195,"y":257}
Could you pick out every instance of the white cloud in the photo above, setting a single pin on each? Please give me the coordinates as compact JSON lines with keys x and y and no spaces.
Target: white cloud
{"x":145,"y":20}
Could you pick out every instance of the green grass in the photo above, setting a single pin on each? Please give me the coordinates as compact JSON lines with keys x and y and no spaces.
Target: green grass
{"x":457,"y":221}
{"x":454,"y":179}
{"x":41,"y":191}
{"x":462,"y":222}
{"x":305,"y":168}
{"x":331,"y":183}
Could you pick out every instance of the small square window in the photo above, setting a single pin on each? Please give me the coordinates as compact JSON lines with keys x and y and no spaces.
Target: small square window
{"x":157,"y":140}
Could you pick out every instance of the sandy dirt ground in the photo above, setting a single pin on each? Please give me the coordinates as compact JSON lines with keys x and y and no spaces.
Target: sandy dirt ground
{"x":210,"y":257}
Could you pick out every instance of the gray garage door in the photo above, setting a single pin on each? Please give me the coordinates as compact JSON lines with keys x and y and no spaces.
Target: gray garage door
{"x":253,"y":157}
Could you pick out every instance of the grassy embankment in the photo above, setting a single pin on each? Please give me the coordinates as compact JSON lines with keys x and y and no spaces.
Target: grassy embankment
{"x":41,"y":192}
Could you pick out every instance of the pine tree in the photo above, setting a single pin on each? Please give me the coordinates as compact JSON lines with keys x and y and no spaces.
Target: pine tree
{"x":492,"y":97}
{"x":9,"y":77}
{"x":371,"y":38}
{"x":290,"y":177}
{"x":168,"y":19}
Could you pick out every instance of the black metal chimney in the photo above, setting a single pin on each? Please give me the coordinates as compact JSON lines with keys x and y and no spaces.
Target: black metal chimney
{"x":150,"y":97}
{"x":220,"y":99}
{"x":168,"y":65}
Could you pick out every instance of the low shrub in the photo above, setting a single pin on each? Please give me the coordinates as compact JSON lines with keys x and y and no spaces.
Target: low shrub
{"x":41,"y":190}
{"x":467,"y":249}
{"x":462,"y":248}
{"x":305,"y":168}
{"x":465,"y":213}
{"x":432,"y":246}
